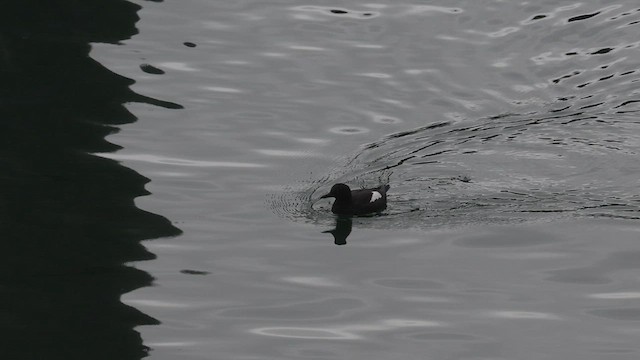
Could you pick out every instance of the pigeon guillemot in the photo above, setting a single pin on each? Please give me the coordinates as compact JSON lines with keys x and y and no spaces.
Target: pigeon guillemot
{"x":357,"y":202}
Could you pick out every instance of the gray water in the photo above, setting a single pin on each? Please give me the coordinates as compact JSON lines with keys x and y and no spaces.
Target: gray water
{"x":507,"y":130}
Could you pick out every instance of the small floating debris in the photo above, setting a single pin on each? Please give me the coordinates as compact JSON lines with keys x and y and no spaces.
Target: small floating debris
{"x":194,"y":272}
{"x":150,"y":69}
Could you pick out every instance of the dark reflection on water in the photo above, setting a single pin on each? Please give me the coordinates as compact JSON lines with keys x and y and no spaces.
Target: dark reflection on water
{"x":67,"y":218}
{"x":341,"y":230}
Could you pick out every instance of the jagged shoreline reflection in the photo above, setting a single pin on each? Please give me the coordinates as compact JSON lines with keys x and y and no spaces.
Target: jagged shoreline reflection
{"x":68,"y":219}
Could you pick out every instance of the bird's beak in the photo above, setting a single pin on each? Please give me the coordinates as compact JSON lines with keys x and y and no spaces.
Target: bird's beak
{"x":324,"y":196}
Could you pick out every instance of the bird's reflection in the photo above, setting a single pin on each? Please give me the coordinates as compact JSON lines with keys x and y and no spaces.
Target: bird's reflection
{"x":342,"y":230}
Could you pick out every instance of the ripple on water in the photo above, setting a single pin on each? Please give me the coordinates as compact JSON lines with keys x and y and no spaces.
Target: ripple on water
{"x":562,"y":144}
{"x":306,"y":333}
{"x":624,"y":314}
{"x":156,"y":159}
{"x":511,"y":168}
{"x":321,"y":309}
{"x":409,"y":283}
{"x":522,"y":315}
{"x":344,"y":332}
{"x":311,"y":281}
{"x":348,"y":130}
{"x":524,"y":238}
{"x":386,"y":120}
{"x":508,"y":168}
{"x":617,"y":296}
{"x":439,"y":336}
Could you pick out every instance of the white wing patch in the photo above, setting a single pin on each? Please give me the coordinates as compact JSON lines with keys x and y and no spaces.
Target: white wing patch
{"x":375,"y":196}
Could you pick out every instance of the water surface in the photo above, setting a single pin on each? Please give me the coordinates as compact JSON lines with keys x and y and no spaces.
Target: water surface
{"x":507,"y":131}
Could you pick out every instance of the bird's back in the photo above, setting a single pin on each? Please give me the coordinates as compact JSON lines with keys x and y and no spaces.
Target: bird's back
{"x":366,"y":201}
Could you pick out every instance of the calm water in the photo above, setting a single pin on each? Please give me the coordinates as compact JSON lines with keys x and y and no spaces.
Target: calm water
{"x":508,"y":132}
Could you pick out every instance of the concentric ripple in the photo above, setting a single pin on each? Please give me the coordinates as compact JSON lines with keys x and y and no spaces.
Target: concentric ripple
{"x":508,"y":168}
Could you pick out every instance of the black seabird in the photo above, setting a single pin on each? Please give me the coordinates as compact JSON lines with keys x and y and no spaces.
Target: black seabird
{"x":357,"y":202}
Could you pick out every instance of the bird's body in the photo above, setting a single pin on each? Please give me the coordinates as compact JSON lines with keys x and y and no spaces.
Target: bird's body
{"x":358,"y":202}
